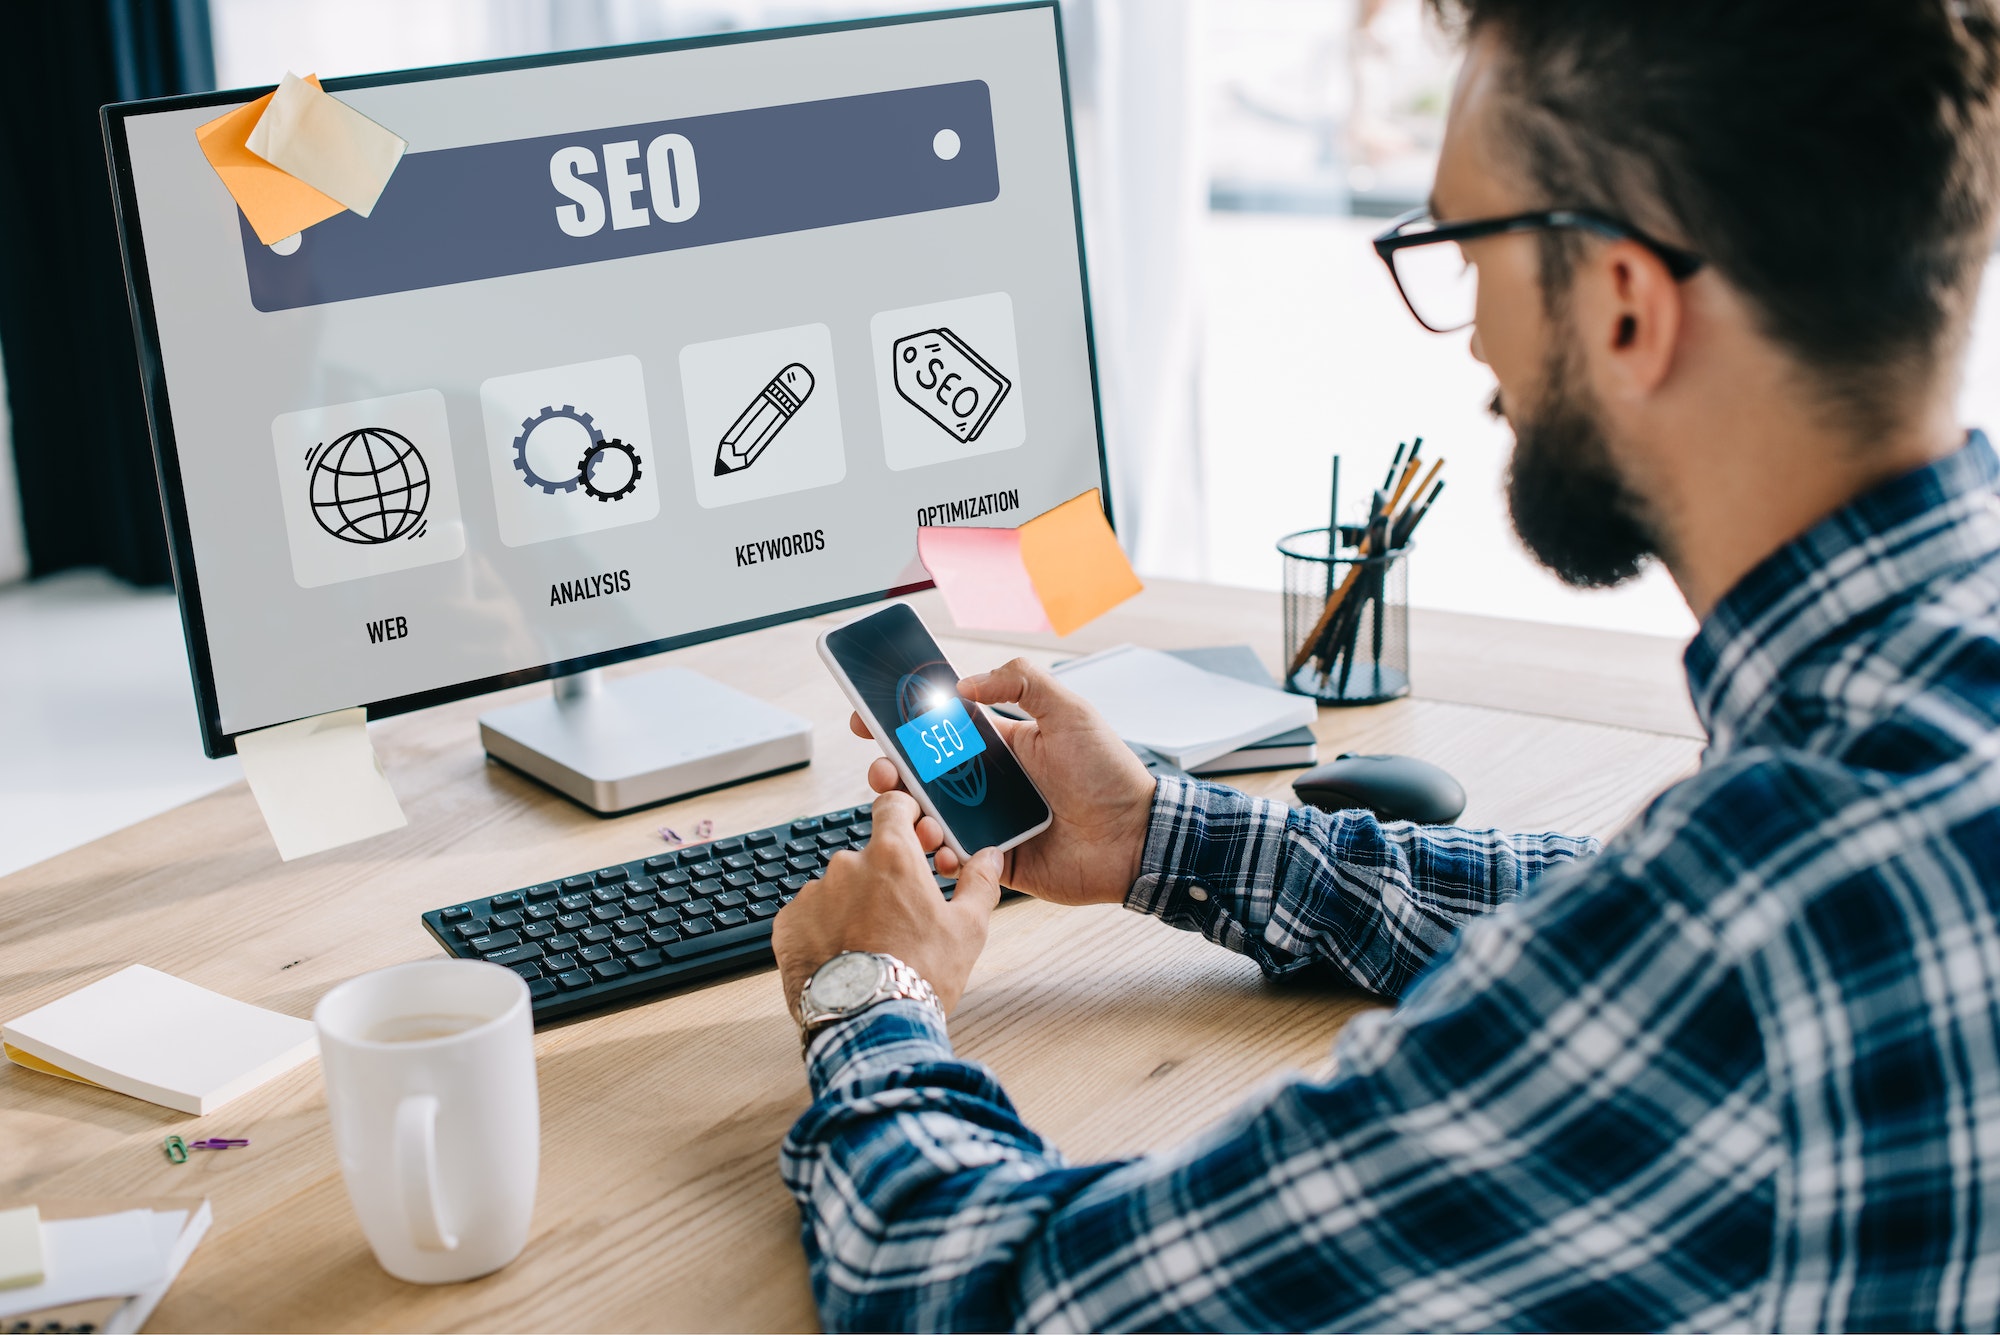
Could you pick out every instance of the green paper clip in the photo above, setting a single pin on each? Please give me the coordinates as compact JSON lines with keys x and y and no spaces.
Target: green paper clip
{"x":177,"y":1150}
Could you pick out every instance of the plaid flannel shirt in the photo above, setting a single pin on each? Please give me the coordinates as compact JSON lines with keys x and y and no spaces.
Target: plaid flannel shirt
{"x":1741,"y":1068}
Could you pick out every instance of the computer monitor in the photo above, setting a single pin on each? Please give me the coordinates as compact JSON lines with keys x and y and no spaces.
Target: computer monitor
{"x":639,"y":347}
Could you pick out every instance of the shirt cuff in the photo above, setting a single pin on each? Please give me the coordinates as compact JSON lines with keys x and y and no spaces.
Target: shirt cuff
{"x":892,"y":1035}
{"x":1211,"y":860}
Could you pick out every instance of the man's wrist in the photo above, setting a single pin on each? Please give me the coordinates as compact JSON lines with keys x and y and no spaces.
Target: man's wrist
{"x":854,"y":982}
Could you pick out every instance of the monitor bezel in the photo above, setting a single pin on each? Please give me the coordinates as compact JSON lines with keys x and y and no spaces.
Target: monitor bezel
{"x":159,"y":418}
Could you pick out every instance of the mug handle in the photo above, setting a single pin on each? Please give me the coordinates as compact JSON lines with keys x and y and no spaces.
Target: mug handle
{"x":417,"y":1172}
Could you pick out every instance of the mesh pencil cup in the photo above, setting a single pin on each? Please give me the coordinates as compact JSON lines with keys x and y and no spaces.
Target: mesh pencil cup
{"x":1347,"y":618}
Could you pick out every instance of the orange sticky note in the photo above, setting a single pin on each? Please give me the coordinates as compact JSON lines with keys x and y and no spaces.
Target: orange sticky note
{"x":277,"y":203}
{"x":1054,"y":573}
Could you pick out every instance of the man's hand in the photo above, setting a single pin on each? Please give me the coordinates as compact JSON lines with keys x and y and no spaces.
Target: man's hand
{"x":883,"y":899}
{"x":1100,"y":793}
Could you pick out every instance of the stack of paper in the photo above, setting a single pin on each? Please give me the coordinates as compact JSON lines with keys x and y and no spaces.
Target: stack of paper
{"x":105,"y":1268}
{"x":151,"y":1035}
{"x":1188,"y":715}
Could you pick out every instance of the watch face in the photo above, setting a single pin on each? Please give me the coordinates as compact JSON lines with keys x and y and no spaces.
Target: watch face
{"x":845,"y":981}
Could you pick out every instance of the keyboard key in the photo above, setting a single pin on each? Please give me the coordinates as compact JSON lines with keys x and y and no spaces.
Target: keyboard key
{"x":739,"y":861}
{"x":541,"y":989}
{"x":810,"y":825}
{"x":518,"y":954}
{"x":761,"y":839}
{"x":608,"y":894}
{"x":733,"y":918}
{"x":661,"y":936}
{"x":703,"y":870}
{"x":594,"y":954}
{"x":539,"y":893}
{"x":702,"y":889}
{"x":646,"y":959}
{"x":497,"y":941}
{"x":772,"y":871}
{"x":833,"y":839}
{"x":739,"y":880}
{"x":804,"y":866}
{"x":629,"y":926}
{"x":765,"y":890}
{"x":470,"y":928}
{"x":766,"y":856}
{"x":641,"y":904}
{"x":731,"y":899}
{"x":662,"y":862}
{"x":674,"y":878}
{"x":562,"y":941}
{"x":539,"y":931}
{"x":862,"y":830}
{"x":611,"y":969}
{"x":675,"y":895}
{"x":573,"y":903}
{"x":608,"y":912}
{"x":638,"y":885}
{"x":574,"y":979}
{"x":802,"y":847}
{"x":697,"y":908}
{"x":529,"y":970}
{"x":733,"y":844}
{"x":596,"y":933}
{"x":611,"y":875}
{"x":542,"y":912}
{"x":511,"y":918}
{"x":697,"y":927}
{"x":793,"y":884}
{"x":510,"y":900}
{"x":833,"y":818}
{"x":573,"y":922}
{"x":661,"y":917}
{"x":755,"y":931}
{"x":559,"y":963}
{"x":576,"y":883}
{"x":457,"y":913}
{"x":629,"y":945}
{"x":764,"y":909}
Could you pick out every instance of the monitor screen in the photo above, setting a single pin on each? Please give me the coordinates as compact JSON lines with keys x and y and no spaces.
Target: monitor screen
{"x":638,"y":347}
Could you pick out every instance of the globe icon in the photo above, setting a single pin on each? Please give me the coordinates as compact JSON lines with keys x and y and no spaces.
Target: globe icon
{"x":370,"y":486}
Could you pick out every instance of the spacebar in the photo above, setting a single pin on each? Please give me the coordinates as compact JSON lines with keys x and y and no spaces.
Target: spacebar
{"x":710,"y":942}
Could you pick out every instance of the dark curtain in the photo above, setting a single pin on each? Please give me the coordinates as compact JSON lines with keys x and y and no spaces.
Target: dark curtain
{"x":89,"y":496}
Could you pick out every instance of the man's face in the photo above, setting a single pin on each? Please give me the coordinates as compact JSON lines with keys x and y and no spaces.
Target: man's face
{"x":1570,"y":505}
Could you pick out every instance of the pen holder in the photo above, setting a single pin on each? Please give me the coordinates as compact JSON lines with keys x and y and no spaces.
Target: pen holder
{"x":1360,"y":655}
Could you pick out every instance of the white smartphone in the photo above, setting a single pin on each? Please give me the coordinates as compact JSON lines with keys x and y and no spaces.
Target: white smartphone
{"x":951,"y":757}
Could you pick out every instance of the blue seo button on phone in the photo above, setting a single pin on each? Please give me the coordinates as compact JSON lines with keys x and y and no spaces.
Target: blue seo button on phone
{"x":940,"y":741}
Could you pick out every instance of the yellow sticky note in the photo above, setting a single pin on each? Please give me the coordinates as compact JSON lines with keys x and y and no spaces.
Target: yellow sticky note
{"x":1055,"y":573}
{"x":20,"y":1247}
{"x":316,"y":137}
{"x":318,"y":782}
{"x":277,"y":203}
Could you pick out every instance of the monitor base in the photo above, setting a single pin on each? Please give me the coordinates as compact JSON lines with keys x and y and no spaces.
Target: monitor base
{"x":616,"y":746}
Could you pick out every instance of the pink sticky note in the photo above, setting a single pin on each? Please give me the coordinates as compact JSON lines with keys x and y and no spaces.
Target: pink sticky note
{"x":982,"y":577}
{"x":1053,"y":574}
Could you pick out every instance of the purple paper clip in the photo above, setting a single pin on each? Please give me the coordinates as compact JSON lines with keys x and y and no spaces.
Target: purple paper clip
{"x":217,"y":1143}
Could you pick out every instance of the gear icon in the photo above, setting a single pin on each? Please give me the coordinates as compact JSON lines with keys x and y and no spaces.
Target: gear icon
{"x":528,"y":474}
{"x":587,"y":466}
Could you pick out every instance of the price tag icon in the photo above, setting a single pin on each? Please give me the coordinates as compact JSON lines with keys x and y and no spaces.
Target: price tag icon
{"x":940,"y":375}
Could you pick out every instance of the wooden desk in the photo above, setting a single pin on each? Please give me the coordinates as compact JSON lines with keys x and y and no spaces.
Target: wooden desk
{"x":660,"y":1206}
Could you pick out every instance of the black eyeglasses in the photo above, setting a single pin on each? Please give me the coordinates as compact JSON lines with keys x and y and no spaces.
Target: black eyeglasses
{"x":1441,"y":286}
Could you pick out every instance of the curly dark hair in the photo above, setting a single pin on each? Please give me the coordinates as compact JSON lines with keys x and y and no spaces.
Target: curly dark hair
{"x":1838,"y":161}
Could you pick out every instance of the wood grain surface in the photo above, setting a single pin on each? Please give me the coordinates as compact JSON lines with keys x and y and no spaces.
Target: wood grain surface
{"x":659,"y":1204}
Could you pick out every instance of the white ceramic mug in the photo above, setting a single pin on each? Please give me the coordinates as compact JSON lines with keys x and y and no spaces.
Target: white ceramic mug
{"x":430,"y":1082}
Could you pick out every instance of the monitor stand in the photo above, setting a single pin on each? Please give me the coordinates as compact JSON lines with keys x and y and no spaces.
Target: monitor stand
{"x":615,"y":746}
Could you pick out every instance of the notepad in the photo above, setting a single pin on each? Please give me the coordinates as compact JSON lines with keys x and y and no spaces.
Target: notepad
{"x":1187,"y":715}
{"x":158,"y":1038}
{"x":108,"y":1263}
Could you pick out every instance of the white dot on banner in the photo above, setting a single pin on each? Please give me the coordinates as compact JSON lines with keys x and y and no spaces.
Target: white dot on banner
{"x":287,"y":245}
{"x":945,"y":145}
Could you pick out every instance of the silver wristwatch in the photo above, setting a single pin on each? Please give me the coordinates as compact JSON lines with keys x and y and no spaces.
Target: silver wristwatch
{"x":850,"y":983}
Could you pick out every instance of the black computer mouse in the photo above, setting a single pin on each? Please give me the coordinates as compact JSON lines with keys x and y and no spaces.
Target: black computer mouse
{"x":1393,"y":787}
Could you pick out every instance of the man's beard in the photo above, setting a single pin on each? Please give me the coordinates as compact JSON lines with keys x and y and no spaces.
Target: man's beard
{"x":1570,"y":508}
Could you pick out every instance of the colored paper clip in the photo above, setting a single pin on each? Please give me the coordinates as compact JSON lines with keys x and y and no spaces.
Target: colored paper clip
{"x":219,"y":1143}
{"x":177,"y":1150}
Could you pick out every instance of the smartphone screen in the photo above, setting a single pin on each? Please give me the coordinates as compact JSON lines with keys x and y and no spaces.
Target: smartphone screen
{"x":970,"y":777}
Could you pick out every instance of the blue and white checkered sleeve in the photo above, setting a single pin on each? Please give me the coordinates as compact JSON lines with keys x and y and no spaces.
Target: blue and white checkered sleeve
{"x":1291,"y":887}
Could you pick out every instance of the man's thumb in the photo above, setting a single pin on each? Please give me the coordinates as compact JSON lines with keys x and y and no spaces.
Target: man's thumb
{"x":978,"y":888}
{"x":1021,"y":683}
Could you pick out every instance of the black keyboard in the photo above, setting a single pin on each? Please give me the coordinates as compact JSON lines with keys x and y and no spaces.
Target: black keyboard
{"x":639,"y":927}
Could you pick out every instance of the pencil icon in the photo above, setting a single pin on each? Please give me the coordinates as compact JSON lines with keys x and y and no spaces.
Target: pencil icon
{"x":759,"y":424}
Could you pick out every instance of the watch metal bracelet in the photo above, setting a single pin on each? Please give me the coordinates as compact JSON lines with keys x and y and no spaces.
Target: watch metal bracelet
{"x":898,"y":982}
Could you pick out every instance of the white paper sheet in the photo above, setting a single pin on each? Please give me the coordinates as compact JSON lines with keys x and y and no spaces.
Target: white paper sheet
{"x":327,"y":144}
{"x":111,"y":1256}
{"x":318,"y":783}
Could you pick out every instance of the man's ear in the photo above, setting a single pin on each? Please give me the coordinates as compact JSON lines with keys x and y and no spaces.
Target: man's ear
{"x":1634,"y":320}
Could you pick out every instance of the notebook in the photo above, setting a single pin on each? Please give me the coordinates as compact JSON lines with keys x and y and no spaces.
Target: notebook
{"x":158,"y":1038}
{"x":108,"y":1264}
{"x":1188,"y":715}
{"x":1287,"y":750}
